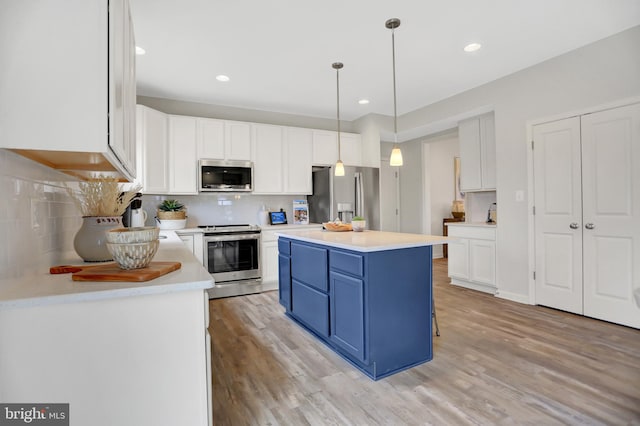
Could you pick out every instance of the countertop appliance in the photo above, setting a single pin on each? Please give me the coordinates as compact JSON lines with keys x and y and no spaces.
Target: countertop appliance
{"x":357,"y":193}
{"x":225,"y":176}
{"x":232,"y":257}
{"x":134,"y":215}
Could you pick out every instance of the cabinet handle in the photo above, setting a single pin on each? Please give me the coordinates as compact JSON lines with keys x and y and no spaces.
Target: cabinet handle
{"x":589,"y":226}
{"x":574,"y":225}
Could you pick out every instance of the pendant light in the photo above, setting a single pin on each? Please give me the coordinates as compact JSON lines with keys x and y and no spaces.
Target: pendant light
{"x":396,"y":154}
{"x":339,"y":171}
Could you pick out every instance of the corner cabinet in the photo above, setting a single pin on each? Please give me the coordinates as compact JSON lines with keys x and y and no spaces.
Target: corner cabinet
{"x":472,"y":256}
{"x":78,"y":82}
{"x":153,"y":150}
{"x":347,"y":299}
{"x":477,"y":154}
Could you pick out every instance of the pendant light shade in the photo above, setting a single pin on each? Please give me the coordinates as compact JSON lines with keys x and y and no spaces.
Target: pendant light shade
{"x":396,"y":157}
{"x":396,"y":154}
{"x":339,"y":168}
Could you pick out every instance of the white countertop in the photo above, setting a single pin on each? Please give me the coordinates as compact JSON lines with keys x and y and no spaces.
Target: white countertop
{"x":366,"y":241}
{"x":42,"y":288}
{"x":478,"y":224}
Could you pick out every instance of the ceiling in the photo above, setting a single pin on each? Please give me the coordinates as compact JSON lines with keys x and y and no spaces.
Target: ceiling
{"x":278,"y":53}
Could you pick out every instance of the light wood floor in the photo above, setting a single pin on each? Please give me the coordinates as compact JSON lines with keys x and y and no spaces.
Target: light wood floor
{"x":496,"y":362}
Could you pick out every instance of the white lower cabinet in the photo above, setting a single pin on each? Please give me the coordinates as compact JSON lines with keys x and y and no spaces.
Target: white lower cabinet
{"x":472,"y":256}
{"x":193,"y":242}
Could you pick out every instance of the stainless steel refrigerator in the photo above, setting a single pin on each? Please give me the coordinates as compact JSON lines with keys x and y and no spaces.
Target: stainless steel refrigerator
{"x":357,"y":193}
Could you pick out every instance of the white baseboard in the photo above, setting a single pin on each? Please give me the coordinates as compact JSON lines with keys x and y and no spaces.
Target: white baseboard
{"x":514,"y":297}
{"x":474,"y":286}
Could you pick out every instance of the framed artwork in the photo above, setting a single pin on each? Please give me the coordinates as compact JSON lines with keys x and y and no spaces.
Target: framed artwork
{"x":459,"y":195}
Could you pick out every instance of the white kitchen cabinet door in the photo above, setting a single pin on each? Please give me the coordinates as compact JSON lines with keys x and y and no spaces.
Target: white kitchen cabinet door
{"x":77,"y":81}
{"x":298,"y":161}
{"x":325,"y":148}
{"x":270,"y":261}
{"x":477,"y":154}
{"x":351,"y":149}
{"x":237,"y":140}
{"x":211,"y":142}
{"x":458,"y":262}
{"x":488,"y":151}
{"x":267,"y":148}
{"x":182,"y":155}
{"x":482,"y":261}
{"x":153,"y":150}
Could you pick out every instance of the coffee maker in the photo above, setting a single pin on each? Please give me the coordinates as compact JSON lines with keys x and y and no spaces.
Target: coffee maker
{"x":134,"y":216}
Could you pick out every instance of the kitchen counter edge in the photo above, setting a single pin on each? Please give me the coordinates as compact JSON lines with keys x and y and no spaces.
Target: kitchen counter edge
{"x":367,"y":241}
{"x":43,"y":289}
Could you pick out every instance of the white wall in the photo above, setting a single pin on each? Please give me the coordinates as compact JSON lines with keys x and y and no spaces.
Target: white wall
{"x":441,"y":153}
{"x":602,"y":72}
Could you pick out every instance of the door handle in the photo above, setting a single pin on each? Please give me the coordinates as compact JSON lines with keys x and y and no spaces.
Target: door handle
{"x":589,"y":226}
{"x":574,"y":225}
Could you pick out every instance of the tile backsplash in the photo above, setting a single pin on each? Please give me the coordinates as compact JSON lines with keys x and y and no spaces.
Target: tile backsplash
{"x":37,"y":217}
{"x":221,"y":209}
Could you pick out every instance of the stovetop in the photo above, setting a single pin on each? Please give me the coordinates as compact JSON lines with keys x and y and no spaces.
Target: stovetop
{"x":230,"y":228}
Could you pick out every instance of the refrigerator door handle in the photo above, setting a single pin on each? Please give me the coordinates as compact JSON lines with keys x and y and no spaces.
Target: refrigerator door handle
{"x":359,"y":195}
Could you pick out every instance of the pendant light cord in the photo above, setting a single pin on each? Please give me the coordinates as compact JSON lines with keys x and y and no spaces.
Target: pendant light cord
{"x":393,"y":57}
{"x":337,"y":66}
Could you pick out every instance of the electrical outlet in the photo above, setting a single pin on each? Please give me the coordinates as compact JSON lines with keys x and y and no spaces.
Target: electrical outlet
{"x":519,"y":195}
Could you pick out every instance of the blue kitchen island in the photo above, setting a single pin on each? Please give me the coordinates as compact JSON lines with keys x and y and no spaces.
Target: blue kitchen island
{"x":367,"y":295}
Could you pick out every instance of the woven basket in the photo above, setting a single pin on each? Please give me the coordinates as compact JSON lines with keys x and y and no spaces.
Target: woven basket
{"x":172,"y":215}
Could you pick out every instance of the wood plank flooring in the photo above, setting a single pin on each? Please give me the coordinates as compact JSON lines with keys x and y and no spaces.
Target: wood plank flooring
{"x":496,"y":362}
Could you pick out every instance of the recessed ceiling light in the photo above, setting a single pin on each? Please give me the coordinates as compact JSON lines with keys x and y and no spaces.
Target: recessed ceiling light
{"x":472,"y":47}
{"x":363,"y":101}
{"x":222,"y":77}
{"x":140,"y":50}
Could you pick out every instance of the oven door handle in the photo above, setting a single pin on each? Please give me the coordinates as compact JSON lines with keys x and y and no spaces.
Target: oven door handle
{"x":236,"y":237}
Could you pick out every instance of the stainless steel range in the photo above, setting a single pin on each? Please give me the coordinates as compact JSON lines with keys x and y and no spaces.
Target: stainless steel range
{"x":232,"y":257}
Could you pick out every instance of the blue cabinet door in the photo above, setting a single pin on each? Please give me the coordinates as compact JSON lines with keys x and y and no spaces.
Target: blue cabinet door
{"x":348,"y":314}
{"x":284,"y":281}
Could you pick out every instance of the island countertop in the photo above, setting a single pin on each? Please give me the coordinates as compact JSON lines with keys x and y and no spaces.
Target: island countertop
{"x":41,"y":288}
{"x":366,"y":241}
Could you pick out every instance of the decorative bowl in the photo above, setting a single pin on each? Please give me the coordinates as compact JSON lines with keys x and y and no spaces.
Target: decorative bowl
{"x":337,"y":227}
{"x":358,"y":225}
{"x":133,"y":255}
{"x":141,"y":234}
{"x":171,"y":224}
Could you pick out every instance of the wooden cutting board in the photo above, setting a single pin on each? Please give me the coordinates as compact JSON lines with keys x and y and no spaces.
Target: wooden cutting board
{"x":112,"y":272}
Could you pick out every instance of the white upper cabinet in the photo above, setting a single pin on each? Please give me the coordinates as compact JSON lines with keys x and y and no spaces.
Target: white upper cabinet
{"x":477,"y":154}
{"x":325,"y":147}
{"x":78,"y":82}
{"x":267,"y":149}
{"x":182,"y":155}
{"x":298,"y":155}
{"x":237,"y":141}
{"x":351,"y":149}
{"x":153,"y":151}
{"x":210,"y":138}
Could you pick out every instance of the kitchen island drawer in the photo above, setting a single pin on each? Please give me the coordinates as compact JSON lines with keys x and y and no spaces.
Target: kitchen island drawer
{"x":350,"y":263}
{"x":309,"y":265}
{"x":311,"y":307}
{"x":284,"y":247}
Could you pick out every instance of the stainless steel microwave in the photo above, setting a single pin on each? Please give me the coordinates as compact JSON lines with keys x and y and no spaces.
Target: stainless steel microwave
{"x":225,"y":176}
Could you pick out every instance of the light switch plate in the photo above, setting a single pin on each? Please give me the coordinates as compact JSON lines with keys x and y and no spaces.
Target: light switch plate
{"x":519,"y":195}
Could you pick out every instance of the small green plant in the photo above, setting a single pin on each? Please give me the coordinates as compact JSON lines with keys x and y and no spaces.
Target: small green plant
{"x":358,"y":218}
{"x":171,"y":206}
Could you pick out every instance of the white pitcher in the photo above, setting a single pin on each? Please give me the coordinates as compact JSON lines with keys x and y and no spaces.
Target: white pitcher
{"x":138,"y":218}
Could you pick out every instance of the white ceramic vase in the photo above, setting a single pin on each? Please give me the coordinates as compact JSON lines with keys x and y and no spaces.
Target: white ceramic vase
{"x":90,"y":241}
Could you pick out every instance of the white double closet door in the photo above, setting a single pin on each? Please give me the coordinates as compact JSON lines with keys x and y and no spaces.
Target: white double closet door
{"x":587,"y":214}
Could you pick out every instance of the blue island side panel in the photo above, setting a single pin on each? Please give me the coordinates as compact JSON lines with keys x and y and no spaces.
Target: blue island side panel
{"x":399,"y":308}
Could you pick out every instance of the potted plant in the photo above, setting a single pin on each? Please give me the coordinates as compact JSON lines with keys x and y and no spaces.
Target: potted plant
{"x":102,"y":203}
{"x":358,"y":224}
{"x":171,"y":214}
